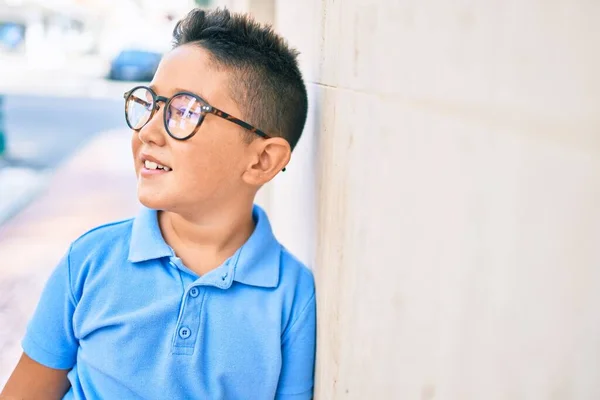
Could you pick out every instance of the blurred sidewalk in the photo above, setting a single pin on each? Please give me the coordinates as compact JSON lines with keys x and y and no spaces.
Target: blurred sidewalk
{"x":96,"y":186}
{"x":19,"y":186}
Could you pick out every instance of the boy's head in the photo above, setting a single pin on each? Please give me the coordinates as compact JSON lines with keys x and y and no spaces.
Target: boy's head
{"x":237,"y":67}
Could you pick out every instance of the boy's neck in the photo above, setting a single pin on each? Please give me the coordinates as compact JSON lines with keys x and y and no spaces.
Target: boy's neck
{"x":205,"y":243}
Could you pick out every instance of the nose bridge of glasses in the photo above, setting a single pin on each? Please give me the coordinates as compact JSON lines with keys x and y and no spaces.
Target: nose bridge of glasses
{"x":158,"y":99}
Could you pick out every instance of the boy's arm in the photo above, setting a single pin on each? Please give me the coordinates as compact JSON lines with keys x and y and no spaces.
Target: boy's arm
{"x":49,"y":345}
{"x":298,"y":352}
{"x":32,"y":380}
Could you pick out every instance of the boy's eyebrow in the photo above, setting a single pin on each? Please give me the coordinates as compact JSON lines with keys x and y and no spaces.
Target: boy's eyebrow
{"x":177,"y":90}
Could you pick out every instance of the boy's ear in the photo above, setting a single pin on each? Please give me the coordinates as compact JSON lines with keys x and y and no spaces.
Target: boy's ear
{"x":270,"y":156}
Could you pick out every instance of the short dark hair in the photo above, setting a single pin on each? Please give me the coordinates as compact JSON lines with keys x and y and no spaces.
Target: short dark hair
{"x":267,"y":83}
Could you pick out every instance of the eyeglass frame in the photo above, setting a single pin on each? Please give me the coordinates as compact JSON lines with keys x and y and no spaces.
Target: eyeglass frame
{"x":206,"y":108}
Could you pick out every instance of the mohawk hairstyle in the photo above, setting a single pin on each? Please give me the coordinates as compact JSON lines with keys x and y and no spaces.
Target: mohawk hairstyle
{"x":266,"y":81}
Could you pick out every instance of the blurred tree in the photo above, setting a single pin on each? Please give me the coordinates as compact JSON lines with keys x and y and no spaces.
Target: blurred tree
{"x":203,"y":3}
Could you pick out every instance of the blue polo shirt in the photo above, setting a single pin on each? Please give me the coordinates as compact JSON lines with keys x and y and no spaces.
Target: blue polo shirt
{"x":130,"y":321}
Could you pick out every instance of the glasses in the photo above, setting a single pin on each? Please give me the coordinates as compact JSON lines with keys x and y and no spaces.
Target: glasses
{"x":184,"y":112}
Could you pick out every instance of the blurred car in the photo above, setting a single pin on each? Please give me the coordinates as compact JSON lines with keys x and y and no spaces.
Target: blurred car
{"x":134,"y":65}
{"x":12,"y":35}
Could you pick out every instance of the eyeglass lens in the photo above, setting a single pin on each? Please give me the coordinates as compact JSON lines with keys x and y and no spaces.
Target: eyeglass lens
{"x":182,"y":114}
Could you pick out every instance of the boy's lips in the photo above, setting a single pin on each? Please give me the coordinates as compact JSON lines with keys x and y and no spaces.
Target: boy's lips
{"x":152,"y":166}
{"x":146,"y":172}
{"x":147,"y":157}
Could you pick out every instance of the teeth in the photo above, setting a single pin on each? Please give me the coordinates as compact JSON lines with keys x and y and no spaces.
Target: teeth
{"x":153,"y":165}
{"x":150,"y":164}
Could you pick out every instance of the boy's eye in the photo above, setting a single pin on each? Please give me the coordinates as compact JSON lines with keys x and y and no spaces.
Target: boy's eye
{"x":185,"y":113}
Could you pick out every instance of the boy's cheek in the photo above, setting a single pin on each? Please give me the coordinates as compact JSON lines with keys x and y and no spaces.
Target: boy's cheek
{"x":135,"y":146}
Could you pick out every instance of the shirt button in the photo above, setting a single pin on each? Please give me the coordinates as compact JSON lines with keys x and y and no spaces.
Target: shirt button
{"x":194,"y":292}
{"x":224,"y":276}
{"x":184,"y":332}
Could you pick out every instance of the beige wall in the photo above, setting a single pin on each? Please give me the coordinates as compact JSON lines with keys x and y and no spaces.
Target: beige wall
{"x":448,"y":196}
{"x":262,"y":10}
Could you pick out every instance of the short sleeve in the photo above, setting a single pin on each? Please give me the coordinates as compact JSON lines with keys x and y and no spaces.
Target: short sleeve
{"x":49,"y":338}
{"x":298,"y":355}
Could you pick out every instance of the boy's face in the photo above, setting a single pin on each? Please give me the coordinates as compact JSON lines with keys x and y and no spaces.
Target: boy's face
{"x":207,"y":169}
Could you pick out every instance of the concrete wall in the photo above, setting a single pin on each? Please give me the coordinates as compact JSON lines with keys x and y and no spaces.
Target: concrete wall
{"x":448,"y":196}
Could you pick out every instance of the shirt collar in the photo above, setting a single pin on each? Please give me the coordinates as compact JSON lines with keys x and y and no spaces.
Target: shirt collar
{"x":259,"y":258}
{"x":147,"y":242}
{"x":256,"y":263}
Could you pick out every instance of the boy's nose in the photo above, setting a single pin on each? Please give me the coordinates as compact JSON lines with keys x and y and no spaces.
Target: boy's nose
{"x":154,"y":131}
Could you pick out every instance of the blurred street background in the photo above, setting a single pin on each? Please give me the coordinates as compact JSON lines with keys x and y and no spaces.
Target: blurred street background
{"x":64,"y":146}
{"x":445,"y":192}
{"x":64,"y":65}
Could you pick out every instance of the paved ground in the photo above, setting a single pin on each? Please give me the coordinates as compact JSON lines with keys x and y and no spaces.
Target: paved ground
{"x":42,"y":129}
{"x":51,"y":112}
{"x":18,"y":187}
{"x":86,"y":191}
{"x":40,"y":133}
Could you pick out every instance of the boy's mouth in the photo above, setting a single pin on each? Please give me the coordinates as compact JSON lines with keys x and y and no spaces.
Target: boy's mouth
{"x":151,"y":165}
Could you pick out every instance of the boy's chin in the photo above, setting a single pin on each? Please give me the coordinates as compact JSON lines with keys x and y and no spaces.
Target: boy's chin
{"x":153,"y":202}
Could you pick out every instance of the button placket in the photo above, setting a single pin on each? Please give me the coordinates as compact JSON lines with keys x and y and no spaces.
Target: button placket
{"x":221,"y":278}
{"x":188,"y":326}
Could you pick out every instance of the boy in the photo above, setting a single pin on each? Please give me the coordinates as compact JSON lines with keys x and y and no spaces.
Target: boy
{"x":194,"y":298}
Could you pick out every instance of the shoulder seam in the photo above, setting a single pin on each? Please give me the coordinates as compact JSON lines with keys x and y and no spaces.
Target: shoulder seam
{"x":72,"y":297}
{"x":300,"y":314}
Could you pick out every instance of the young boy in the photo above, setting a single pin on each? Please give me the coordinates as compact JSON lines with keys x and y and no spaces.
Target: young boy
{"x":194,"y":298}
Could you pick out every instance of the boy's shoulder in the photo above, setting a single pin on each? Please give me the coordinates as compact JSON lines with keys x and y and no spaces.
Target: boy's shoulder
{"x":295,"y":272}
{"x":90,"y":254}
{"x":110,"y":234}
{"x":291,"y":262}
